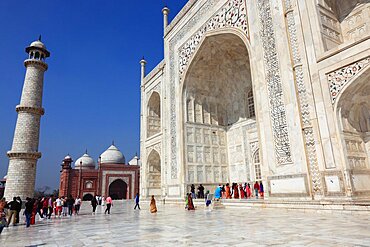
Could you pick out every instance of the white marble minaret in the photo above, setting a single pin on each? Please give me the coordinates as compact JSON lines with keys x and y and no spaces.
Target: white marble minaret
{"x":24,"y":154}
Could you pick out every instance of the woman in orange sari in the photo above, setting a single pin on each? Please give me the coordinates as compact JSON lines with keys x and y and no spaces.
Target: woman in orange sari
{"x":228,"y":194}
{"x":190,"y":203}
{"x":153,"y":206}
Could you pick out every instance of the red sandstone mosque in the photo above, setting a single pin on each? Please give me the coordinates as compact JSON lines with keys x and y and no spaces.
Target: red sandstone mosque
{"x":112,"y":176}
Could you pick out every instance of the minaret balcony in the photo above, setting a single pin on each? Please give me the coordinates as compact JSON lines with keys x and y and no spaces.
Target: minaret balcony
{"x":24,"y":155}
{"x":30,"y":109}
{"x":36,"y":62}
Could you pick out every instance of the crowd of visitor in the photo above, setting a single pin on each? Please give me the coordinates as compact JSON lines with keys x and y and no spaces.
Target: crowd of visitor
{"x":63,"y":206}
{"x":236,"y":191}
{"x":239,"y":191}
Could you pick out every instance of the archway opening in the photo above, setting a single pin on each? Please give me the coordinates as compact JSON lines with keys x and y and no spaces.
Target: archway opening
{"x":154,"y":173}
{"x":353,"y":109}
{"x":218,"y":105}
{"x":87,"y":197}
{"x":154,"y":114}
{"x":118,"y":189}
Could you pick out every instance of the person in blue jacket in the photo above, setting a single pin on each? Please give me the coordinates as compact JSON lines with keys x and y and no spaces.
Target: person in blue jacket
{"x":137,"y":201}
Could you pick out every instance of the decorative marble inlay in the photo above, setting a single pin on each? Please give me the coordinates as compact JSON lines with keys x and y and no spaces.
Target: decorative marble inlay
{"x":233,"y":14}
{"x":156,"y":88}
{"x":303,"y":99}
{"x":156,"y":147}
{"x":275,"y":90}
{"x":339,"y":78}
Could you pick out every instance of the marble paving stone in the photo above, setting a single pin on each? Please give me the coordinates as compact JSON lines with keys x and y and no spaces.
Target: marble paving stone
{"x":173,"y":226}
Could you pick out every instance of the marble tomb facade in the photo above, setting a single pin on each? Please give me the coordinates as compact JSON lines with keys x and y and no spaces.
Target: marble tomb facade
{"x":271,"y":91}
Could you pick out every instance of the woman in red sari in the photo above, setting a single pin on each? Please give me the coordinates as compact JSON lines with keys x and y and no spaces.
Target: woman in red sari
{"x":242,"y":193}
{"x":236,"y":191}
{"x":34,"y":212}
{"x":228,"y":194}
{"x":190,"y":203}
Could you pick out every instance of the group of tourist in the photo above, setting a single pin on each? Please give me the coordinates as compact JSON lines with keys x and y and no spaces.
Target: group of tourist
{"x":239,"y":191}
{"x":236,"y":191}
{"x":42,"y":206}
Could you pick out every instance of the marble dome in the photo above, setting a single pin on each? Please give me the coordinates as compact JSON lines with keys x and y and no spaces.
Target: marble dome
{"x":87,"y":162}
{"x":38,"y":44}
{"x":112,"y":156}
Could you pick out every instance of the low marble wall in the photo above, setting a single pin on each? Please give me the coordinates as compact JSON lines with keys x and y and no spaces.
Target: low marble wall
{"x":288,"y":186}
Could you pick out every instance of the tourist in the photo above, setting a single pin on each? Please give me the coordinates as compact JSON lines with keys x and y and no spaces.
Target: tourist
{"x":50,"y":206}
{"x":208,"y":198}
{"x":236,"y":191}
{"x":241,"y":190}
{"x":248,"y":190}
{"x":94,"y":203}
{"x":109,"y":204}
{"x":103,"y":201}
{"x":228,"y":192}
{"x":70,"y":202}
{"x":190,"y":203}
{"x":19,"y":208}
{"x":137,"y":201}
{"x":261,"y":190}
{"x":12,"y":207}
{"x":64,"y":206}
{"x":192,"y":190}
{"x":223,"y":192}
{"x":77,"y":205}
{"x":39,"y":207}
{"x":218,"y":192}
{"x":3,"y":222}
{"x":34,"y":212}
{"x":201,"y":189}
{"x":256,"y":189}
{"x":45,"y":201}
{"x":153,"y":206}
{"x":28,"y":211}
{"x":59,"y":204}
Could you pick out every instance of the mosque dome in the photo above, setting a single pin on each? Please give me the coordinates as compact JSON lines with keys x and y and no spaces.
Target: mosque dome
{"x":112,"y":156}
{"x":85,"y":162}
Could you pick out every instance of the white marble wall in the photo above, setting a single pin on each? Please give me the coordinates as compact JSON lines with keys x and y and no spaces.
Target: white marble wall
{"x":293,"y":47}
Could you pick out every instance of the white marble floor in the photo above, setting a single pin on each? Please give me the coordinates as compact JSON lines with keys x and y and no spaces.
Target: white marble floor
{"x":174,"y":226}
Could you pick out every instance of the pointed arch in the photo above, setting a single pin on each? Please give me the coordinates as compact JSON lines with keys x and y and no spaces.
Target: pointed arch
{"x":154,"y":114}
{"x":154,"y":171}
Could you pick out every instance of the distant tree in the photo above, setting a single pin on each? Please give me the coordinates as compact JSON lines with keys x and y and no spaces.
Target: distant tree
{"x":55,"y":193}
{"x":42,"y":191}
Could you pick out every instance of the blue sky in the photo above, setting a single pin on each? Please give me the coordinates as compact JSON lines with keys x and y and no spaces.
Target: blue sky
{"x":92,"y":86}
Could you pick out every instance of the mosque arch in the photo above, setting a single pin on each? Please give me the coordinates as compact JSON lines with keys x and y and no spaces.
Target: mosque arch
{"x":352,"y":109}
{"x":87,"y":197}
{"x":154,"y":114}
{"x":154,"y":173}
{"x":215,"y":89}
{"x":88,"y":184}
{"x":118,"y":189}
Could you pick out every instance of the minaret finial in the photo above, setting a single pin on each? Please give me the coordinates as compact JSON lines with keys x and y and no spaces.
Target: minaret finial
{"x":113,"y":142}
{"x":86,"y":151}
{"x":40,"y":37}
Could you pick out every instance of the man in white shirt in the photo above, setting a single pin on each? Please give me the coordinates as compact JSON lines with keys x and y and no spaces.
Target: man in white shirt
{"x":77,"y":205}
{"x":58,"y":202}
